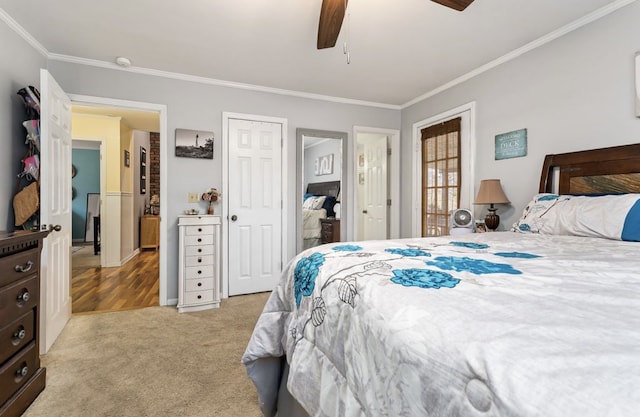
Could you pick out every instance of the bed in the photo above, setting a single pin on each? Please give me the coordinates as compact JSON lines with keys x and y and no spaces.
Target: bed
{"x":319,"y":201}
{"x":543,"y":320}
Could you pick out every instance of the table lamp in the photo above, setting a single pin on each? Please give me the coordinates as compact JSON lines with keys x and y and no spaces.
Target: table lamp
{"x":491,"y":193}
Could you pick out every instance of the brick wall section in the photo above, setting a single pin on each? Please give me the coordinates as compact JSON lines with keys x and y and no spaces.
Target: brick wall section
{"x":154,"y":164}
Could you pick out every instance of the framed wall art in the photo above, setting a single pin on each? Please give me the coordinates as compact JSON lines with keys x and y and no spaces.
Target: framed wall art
{"x":143,"y":170}
{"x":194,"y":143}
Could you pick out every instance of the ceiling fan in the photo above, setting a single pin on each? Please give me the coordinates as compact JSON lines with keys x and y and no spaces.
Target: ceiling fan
{"x":332,"y":15}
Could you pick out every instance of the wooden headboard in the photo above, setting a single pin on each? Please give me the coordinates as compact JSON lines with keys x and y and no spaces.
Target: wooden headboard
{"x":597,"y":171}
{"x":331,"y":188}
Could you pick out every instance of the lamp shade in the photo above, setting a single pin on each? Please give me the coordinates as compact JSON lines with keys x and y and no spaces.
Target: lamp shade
{"x":491,"y":193}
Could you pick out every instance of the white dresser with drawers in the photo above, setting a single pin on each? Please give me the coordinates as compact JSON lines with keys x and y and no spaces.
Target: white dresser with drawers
{"x":199,"y":262}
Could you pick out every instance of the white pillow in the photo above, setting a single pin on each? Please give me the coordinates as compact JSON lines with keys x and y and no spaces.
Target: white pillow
{"x":608,"y":216}
{"x":314,"y":203}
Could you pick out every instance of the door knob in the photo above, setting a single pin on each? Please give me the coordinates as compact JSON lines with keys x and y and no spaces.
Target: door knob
{"x":56,"y":228}
{"x":234,"y":218}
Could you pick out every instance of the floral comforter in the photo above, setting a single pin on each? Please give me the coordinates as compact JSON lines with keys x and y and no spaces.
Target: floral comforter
{"x":493,"y":324}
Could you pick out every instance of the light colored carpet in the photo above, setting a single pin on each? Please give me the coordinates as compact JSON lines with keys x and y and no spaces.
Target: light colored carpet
{"x":153,"y":362}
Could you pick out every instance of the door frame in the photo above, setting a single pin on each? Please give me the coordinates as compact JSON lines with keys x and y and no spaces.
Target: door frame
{"x":224,"y":276}
{"x":467,"y":155}
{"x":164,"y":202}
{"x":393,"y":174}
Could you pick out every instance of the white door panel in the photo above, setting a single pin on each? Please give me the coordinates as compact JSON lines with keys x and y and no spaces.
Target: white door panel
{"x":255,"y":195}
{"x":375,"y":221}
{"x":55,"y":209}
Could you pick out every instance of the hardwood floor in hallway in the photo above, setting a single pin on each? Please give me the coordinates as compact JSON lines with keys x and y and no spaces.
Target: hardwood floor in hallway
{"x":133,"y":285}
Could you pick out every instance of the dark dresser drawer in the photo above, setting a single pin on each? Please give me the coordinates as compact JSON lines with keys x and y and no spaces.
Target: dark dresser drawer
{"x":16,"y":372}
{"x":19,"y":265}
{"x":18,"y":298}
{"x":16,"y":335}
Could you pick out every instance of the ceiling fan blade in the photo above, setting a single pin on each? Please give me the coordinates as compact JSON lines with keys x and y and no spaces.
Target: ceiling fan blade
{"x":331,"y":17}
{"x":458,"y":5}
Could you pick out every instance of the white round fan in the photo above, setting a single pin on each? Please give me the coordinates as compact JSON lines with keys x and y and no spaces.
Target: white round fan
{"x":461,"y":222}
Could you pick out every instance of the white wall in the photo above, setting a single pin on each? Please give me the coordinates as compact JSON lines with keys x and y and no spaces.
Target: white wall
{"x":199,"y":106}
{"x":571,"y":94}
{"x":19,"y":67}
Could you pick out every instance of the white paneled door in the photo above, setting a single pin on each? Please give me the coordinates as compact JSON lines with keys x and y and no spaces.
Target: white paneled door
{"x":375,"y":180}
{"x":255,"y":205}
{"x":55,"y":209}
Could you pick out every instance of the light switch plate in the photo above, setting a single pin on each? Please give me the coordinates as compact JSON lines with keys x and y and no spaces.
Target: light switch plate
{"x":194,"y":197}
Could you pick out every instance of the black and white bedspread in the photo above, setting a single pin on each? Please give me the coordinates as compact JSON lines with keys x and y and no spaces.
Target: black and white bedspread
{"x":492,"y":324}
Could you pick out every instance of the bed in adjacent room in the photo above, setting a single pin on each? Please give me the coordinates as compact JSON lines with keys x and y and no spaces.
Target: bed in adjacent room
{"x":543,"y":320}
{"x":319,"y":202}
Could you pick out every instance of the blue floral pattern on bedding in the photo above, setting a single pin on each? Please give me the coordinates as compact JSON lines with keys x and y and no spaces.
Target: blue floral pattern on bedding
{"x":476,"y":266}
{"x":347,"y":248}
{"x":517,"y":255}
{"x":424,"y":278}
{"x":305,"y":275}
{"x":470,"y":245}
{"x":409,"y":252}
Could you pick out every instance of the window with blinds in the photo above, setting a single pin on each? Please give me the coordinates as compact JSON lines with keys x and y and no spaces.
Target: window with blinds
{"x":440,"y":175}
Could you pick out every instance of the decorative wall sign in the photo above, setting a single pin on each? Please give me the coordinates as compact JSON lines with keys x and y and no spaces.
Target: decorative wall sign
{"x":194,"y":143}
{"x":511,"y":144}
{"x":127,"y":158}
{"x":324,"y":165}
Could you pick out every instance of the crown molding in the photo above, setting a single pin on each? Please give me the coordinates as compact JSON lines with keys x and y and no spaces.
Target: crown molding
{"x":213,"y":81}
{"x":589,"y":18}
{"x":23,"y":33}
{"x":576,"y":24}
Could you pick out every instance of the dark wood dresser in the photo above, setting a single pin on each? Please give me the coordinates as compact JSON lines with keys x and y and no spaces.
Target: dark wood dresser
{"x":330,"y":230}
{"x":21,"y":377}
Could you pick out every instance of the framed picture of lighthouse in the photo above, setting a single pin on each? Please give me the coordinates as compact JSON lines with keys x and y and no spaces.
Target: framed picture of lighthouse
{"x":194,"y":143}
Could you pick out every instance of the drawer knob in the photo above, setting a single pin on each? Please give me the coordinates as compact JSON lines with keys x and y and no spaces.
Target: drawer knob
{"x":199,"y":297}
{"x":199,"y":259}
{"x":199,"y":240}
{"x":20,"y":268}
{"x":199,"y":272}
{"x":24,"y":296}
{"x":199,"y":229}
{"x":199,"y":284}
{"x":199,"y":250}
{"x":20,"y":334}
{"x":23,"y":371}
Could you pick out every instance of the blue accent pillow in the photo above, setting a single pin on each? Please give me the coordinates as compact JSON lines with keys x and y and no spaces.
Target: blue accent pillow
{"x":307,"y":195}
{"x":631,"y":228}
{"x":328,"y":204}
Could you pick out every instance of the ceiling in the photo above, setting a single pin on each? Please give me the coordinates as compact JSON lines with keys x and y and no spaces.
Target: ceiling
{"x":399,"y":49}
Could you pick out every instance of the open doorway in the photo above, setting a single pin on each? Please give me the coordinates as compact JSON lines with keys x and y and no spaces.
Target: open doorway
{"x":109,"y":259}
{"x":376,"y":183}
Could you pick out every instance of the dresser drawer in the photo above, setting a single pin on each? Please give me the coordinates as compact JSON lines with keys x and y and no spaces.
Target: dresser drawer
{"x":198,"y":297}
{"x":202,"y":284}
{"x":16,"y":372}
{"x":199,"y":250}
{"x":16,"y":335}
{"x":198,"y":230}
{"x":17,"y":298}
{"x":198,"y":240}
{"x":202,"y":271}
{"x":198,"y":260}
{"x":19,"y":266}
